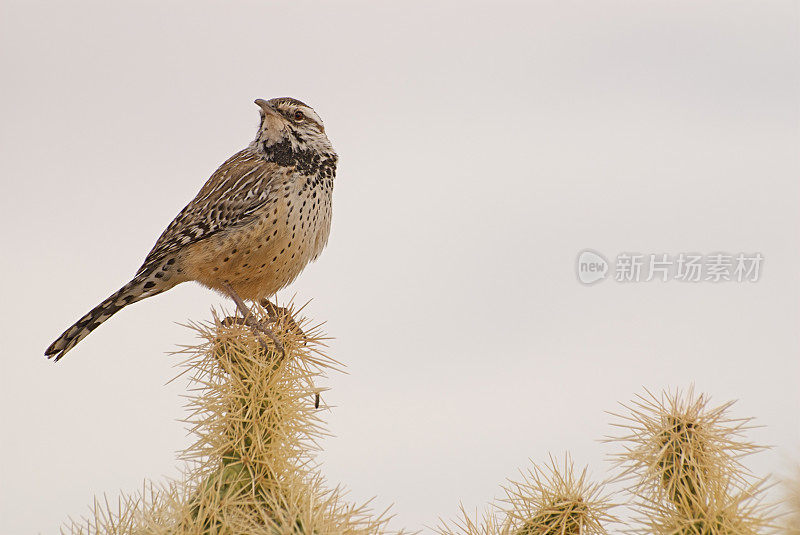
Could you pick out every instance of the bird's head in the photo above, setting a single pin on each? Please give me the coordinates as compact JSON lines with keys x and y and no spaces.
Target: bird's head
{"x":290,"y":130}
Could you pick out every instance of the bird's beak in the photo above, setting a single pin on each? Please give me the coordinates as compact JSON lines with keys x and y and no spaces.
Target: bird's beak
{"x":264,"y":105}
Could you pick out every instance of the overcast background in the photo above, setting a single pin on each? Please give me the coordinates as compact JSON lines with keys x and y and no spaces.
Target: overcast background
{"x":481,"y":148}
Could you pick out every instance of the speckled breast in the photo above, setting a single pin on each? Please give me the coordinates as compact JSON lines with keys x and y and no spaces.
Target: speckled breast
{"x":263,"y":256}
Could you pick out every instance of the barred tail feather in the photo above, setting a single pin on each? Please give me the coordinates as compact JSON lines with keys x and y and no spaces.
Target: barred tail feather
{"x":136,"y":290}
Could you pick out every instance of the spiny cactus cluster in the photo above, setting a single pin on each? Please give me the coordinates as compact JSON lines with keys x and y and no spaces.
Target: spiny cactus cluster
{"x":250,"y":470}
{"x":254,"y":413}
{"x":554,"y":500}
{"x":683,"y":460}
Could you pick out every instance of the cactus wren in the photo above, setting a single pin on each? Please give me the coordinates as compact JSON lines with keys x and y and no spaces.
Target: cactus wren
{"x":252,"y":228}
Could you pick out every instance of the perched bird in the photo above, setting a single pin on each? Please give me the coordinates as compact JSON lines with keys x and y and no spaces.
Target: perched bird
{"x":252,"y":228}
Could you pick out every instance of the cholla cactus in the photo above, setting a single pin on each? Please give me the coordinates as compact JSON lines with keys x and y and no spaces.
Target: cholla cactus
{"x":254,"y":414}
{"x":547,"y":501}
{"x":683,"y":460}
{"x":553,"y":500}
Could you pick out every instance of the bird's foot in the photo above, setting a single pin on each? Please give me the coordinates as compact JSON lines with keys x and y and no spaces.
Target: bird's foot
{"x":275,"y":313}
{"x":251,"y":322}
{"x":257,"y":326}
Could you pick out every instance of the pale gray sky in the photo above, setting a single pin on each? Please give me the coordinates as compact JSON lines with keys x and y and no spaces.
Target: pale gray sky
{"x":482,"y":146}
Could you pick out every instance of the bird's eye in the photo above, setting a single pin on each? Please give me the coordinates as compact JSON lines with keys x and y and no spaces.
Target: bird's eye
{"x":298,"y":115}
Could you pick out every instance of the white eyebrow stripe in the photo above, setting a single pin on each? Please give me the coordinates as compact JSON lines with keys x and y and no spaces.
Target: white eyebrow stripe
{"x":314,"y":116}
{"x":310,"y":113}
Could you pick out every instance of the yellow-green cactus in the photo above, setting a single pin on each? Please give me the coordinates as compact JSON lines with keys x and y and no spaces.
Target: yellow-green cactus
{"x":682,"y":460}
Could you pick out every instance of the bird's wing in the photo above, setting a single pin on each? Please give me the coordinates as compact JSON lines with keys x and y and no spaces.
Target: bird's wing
{"x":241,"y":185}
